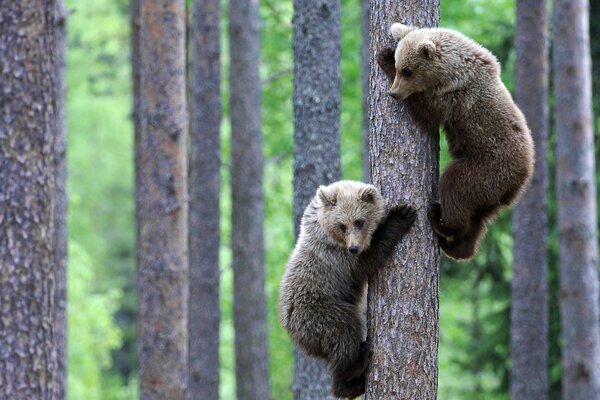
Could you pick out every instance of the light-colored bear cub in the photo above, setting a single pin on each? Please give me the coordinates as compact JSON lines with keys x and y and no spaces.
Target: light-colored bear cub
{"x":345,"y":236}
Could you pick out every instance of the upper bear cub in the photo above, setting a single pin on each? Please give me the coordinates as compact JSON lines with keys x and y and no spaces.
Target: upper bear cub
{"x":342,"y":242}
{"x":448,"y":79}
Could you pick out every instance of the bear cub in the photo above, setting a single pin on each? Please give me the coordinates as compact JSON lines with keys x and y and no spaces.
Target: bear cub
{"x":345,"y":236}
{"x":447,"y":79}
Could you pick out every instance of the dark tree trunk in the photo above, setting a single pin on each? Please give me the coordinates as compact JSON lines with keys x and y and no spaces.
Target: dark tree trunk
{"x":28,"y":365}
{"x":60,"y":198}
{"x":204,"y":187}
{"x":161,"y":197}
{"x":529,"y":310}
{"x":317,"y":98}
{"x":365,"y":72}
{"x":250,"y":316}
{"x":403,"y":299}
{"x":576,"y":189}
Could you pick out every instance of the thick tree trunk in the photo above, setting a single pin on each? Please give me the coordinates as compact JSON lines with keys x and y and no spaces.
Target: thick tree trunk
{"x":250,"y":316}
{"x":28,"y":365}
{"x":161,"y":197}
{"x":576,"y":201}
{"x":317,"y":98}
{"x":204,"y":187}
{"x":365,"y":73}
{"x":61,"y":198}
{"x":403,"y":299}
{"x":529,"y":310}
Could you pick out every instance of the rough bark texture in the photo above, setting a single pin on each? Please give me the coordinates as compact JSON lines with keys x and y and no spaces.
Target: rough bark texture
{"x":61,"y":198}
{"x":28,"y":365}
{"x":317,"y":98}
{"x":365,"y":72}
{"x":403,"y":299}
{"x":576,"y":201}
{"x":161,"y":197}
{"x":250,"y":316}
{"x":204,"y":180}
{"x":529,"y":310}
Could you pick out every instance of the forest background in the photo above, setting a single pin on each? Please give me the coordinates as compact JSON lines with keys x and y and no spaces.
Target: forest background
{"x":474,"y":297}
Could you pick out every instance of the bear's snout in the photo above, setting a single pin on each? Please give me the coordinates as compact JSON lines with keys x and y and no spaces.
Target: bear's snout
{"x":392,"y":94}
{"x":353,"y":249}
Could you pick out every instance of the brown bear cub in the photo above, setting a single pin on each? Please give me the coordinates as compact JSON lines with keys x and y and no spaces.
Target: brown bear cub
{"x":344,"y":238}
{"x":447,"y":79}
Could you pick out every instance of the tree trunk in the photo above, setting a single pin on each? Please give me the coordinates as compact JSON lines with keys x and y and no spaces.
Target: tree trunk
{"x":250,"y":316}
{"x":576,"y":201}
{"x":60,"y":198}
{"x":204,"y":187}
{"x":317,"y":98}
{"x":403,"y":298}
{"x":365,"y":72}
{"x":28,"y":365}
{"x":161,"y":197}
{"x":529,"y":310}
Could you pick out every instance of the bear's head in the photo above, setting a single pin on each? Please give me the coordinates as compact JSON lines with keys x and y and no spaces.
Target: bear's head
{"x":350,"y":212}
{"x":435,"y":61}
{"x":417,"y":61}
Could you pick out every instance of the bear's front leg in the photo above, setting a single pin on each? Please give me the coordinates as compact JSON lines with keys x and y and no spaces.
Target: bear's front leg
{"x":387,"y":61}
{"x":397,"y":223}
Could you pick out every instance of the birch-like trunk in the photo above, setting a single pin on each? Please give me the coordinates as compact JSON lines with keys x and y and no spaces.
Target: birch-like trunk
{"x":317,"y":98}
{"x":204,"y":188}
{"x":161,"y":200}
{"x":529,"y":307}
{"x":247,"y":242}
{"x":28,"y":364}
{"x":576,"y":193}
{"x":403,"y":298}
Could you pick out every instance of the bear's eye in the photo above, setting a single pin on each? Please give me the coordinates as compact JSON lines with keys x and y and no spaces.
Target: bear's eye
{"x":342,"y":228}
{"x":406,"y":72}
{"x":359,"y":223}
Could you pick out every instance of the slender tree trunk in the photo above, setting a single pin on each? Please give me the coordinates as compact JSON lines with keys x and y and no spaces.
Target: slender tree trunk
{"x":576,"y":201}
{"x":317,"y":99}
{"x":204,"y":178}
{"x":60,"y":197}
{"x":529,"y":310}
{"x":365,"y":72}
{"x":403,"y":299}
{"x":161,"y":196}
{"x":28,"y":365}
{"x":250,"y":316}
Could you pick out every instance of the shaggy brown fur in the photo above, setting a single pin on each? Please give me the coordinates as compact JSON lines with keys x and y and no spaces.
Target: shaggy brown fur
{"x":447,"y":79}
{"x":342,"y":243}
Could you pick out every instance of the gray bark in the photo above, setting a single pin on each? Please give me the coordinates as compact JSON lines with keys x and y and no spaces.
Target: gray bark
{"x":529,"y":307}
{"x":28,"y":364}
{"x":576,"y":193}
{"x":161,"y":201}
{"x":204,"y":187}
{"x":317,"y":98}
{"x":365,"y":72}
{"x":60,"y":198}
{"x":250,"y":316}
{"x":403,"y":299}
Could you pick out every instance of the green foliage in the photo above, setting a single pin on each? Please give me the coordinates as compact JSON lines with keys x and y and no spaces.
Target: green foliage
{"x":92,"y":332}
{"x":101,"y":267}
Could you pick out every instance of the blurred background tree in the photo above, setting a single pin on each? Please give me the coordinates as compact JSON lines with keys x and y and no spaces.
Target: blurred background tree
{"x":474,"y":298}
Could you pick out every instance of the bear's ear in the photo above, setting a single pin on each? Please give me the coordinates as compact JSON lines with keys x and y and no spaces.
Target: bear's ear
{"x":398,"y":30}
{"x":327,"y":195}
{"x":368,"y":194}
{"x":427,"y":49}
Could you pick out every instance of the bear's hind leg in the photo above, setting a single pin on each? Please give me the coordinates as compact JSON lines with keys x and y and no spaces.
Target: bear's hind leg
{"x":350,"y":388}
{"x":465,"y":247}
{"x":348,"y":361}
